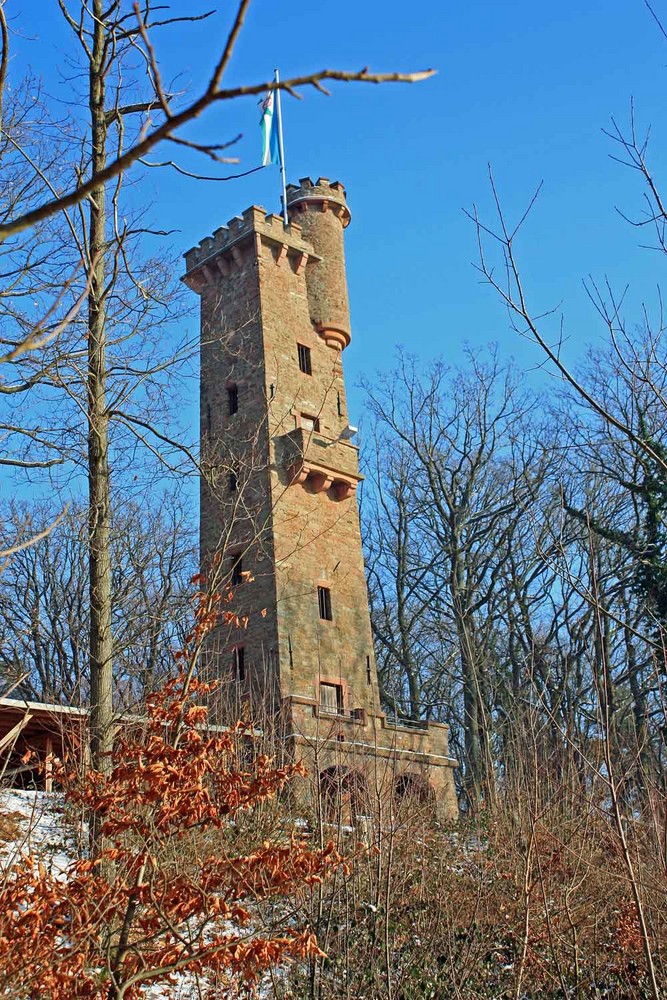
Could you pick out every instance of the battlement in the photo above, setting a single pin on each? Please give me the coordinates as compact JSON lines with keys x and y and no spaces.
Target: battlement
{"x":323,"y":191}
{"x":254,"y":220}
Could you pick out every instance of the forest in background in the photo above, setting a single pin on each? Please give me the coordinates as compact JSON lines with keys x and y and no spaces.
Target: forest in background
{"x":516,"y":551}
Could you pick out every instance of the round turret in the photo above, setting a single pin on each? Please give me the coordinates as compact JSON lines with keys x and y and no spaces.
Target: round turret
{"x":321,"y":210}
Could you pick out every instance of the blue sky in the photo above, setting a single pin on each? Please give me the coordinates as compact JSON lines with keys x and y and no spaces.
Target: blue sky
{"x":527,"y":87}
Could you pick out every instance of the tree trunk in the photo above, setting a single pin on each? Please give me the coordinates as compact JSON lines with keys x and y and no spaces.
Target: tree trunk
{"x":101,"y":677}
{"x":472,"y":709}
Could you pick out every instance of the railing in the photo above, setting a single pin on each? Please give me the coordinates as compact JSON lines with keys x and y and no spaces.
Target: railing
{"x":355,"y":714}
{"x":399,"y":721}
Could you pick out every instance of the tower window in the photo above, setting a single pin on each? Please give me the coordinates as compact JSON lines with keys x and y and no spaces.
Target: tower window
{"x":304,"y":359}
{"x":339,"y":404}
{"x":331,"y":698}
{"x":368,"y":670}
{"x":238,"y":663}
{"x":324,"y":602}
{"x":209,"y":421}
{"x":233,"y":398}
{"x":310,"y":423}
{"x":237,"y":570}
{"x":233,"y":482}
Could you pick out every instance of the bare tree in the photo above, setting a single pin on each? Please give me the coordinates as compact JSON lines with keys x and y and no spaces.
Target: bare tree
{"x":45,"y":611}
{"x":614,"y":415}
{"x":459,"y":473}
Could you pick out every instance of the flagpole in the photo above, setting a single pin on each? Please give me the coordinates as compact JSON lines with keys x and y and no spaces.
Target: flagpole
{"x":281,"y":149}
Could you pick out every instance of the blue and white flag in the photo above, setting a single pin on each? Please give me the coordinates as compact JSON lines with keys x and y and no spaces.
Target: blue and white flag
{"x":269,"y":125}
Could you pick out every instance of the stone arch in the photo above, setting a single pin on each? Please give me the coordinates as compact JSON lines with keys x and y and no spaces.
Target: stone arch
{"x":344,"y":795}
{"x":414,"y":791}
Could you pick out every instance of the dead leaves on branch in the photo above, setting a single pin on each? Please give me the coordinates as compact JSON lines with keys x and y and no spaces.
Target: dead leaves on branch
{"x":162,"y":895}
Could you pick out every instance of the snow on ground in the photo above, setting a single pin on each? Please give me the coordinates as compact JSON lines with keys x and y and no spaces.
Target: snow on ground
{"x":34,"y":823}
{"x":184,"y":988}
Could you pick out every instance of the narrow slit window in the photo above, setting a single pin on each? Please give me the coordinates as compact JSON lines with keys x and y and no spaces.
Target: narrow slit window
{"x":209,"y":420}
{"x":233,"y":398}
{"x":233,"y":482}
{"x":368,"y":670}
{"x":238,"y":663}
{"x":331,"y":698}
{"x":339,"y":404}
{"x":324,"y":602}
{"x":304,"y":359}
{"x":237,"y":570}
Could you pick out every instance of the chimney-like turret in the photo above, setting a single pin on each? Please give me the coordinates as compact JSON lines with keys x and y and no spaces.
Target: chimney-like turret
{"x":321,"y":210}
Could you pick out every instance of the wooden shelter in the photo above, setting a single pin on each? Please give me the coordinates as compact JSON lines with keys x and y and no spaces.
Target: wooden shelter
{"x":31,"y":734}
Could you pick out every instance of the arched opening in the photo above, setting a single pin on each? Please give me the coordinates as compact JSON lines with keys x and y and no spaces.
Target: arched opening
{"x":344,"y":795}
{"x":412,"y":792}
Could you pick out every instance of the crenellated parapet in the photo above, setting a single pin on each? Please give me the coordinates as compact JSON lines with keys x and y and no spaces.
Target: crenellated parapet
{"x":322,"y":195}
{"x":244,"y":237}
{"x":312,"y":244}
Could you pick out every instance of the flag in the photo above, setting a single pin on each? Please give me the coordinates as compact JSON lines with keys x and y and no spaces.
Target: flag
{"x":269,"y":125}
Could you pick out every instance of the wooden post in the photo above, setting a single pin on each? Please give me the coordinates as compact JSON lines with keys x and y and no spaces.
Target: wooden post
{"x":48,"y":763}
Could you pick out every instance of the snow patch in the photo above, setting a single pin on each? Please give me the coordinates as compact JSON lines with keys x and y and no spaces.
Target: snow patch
{"x":42,"y":830}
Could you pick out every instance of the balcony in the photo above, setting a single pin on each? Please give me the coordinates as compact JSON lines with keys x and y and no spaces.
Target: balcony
{"x":402,"y":722}
{"x":311,"y":717}
{"x":342,"y":714}
{"x":319,"y":463}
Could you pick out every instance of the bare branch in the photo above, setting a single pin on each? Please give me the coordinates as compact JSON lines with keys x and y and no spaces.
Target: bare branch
{"x":19,"y":546}
{"x":4,"y":58}
{"x":193,"y":110}
{"x":39,"y":336}
{"x":200,"y":177}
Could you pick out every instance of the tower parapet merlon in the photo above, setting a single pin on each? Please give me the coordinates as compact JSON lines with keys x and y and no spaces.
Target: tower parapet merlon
{"x":323,"y":193}
{"x":255,"y":222}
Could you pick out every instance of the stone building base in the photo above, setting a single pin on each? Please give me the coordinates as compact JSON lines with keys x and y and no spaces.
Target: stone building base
{"x":360,"y":763}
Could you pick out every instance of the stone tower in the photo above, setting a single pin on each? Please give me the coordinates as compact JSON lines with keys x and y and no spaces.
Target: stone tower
{"x":279,"y":515}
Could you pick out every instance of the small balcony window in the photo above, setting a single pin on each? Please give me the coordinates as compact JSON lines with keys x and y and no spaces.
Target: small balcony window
{"x":331,"y":698}
{"x":310,"y":423}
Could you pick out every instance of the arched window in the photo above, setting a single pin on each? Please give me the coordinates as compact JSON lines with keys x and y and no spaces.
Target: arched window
{"x":237,"y":569}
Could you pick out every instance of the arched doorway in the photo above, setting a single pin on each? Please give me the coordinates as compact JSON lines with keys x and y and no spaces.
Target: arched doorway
{"x":344,"y":795}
